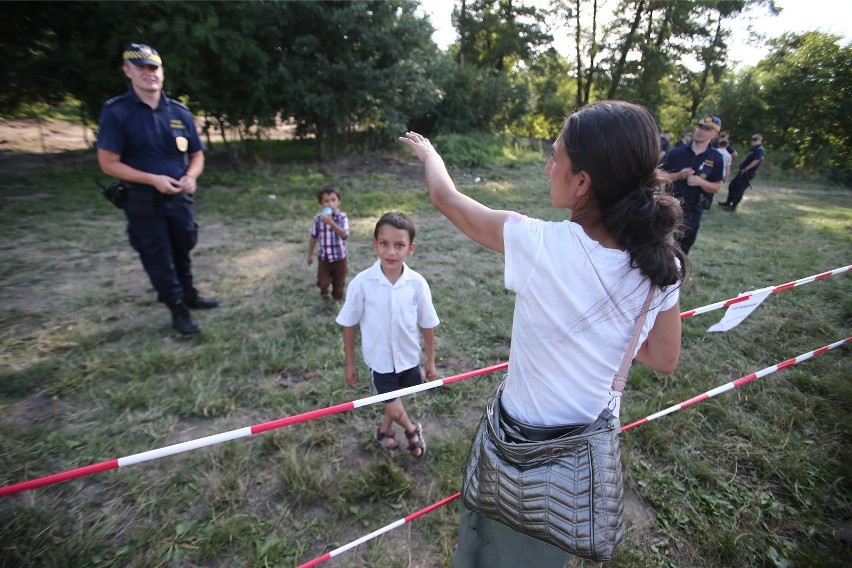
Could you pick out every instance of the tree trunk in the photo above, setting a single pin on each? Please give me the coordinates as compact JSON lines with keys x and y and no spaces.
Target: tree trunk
{"x":593,"y":51}
{"x":206,"y":130}
{"x":462,"y":33}
{"x":578,"y":44}
{"x":222,"y":130}
{"x":85,"y":128}
{"x":625,"y":49}
{"x":699,"y":94}
{"x":321,"y":131}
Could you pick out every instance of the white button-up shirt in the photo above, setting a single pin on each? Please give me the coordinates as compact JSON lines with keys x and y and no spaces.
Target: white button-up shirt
{"x":390,"y":316}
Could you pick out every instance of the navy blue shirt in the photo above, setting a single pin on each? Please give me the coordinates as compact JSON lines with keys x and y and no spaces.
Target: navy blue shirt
{"x":755,"y":154}
{"x":147,"y":139}
{"x":707,"y":165}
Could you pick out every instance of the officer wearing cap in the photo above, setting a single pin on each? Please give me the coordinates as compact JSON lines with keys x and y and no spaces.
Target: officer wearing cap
{"x":151,"y":142}
{"x":695,"y":172}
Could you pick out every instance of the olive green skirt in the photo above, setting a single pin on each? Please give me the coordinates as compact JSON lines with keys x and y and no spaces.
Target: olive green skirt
{"x":483,"y":543}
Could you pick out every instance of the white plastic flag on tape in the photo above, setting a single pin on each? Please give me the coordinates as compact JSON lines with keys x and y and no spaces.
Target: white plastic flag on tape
{"x":736,"y":313}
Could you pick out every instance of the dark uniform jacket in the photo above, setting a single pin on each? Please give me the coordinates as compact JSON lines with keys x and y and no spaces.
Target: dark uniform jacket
{"x":156,"y":140}
{"x":707,"y":165}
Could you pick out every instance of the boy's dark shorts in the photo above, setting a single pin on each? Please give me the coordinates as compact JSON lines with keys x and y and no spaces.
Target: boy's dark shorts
{"x":387,"y":382}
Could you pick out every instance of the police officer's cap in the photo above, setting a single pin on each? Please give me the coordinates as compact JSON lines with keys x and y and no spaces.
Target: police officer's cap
{"x":711,"y":122}
{"x":141,"y":54}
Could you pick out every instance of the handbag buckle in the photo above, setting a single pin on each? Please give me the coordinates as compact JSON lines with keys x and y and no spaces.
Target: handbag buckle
{"x":613,"y":395}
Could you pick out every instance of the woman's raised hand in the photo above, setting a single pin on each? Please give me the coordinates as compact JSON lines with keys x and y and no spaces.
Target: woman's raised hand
{"x":419,"y":144}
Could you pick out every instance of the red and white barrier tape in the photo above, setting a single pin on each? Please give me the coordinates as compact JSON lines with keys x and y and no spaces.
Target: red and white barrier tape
{"x":281,"y":422}
{"x":381,"y":531}
{"x":746,"y":295}
{"x":239,"y":433}
{"x":726,"y":387}
{"x":738,"y":383}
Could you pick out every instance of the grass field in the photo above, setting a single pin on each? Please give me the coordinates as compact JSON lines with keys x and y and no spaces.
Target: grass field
{"x":90,"y":370}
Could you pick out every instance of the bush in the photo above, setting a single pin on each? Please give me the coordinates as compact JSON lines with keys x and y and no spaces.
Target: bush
{"x":483,"y":150}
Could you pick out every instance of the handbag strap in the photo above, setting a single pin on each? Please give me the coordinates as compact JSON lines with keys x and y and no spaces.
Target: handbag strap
{"x":619,"y":381}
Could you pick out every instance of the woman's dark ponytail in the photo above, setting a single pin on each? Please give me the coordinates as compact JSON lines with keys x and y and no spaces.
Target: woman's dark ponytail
{"x":618,"y":144}
{"x":647,"y":228}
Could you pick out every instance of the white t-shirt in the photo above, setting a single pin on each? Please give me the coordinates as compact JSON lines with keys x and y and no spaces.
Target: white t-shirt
{"x":390,"y":316}
{"x":726,"y":161}
{"x":576,"y":306}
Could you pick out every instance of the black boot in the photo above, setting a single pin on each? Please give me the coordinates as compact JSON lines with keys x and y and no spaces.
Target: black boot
{"x":196,"y":302}
{"x":181,"y":320}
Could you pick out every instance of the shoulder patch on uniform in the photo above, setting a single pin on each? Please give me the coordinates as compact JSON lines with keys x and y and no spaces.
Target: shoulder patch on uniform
{"x":114,"y":100}
{"x":178,"y":103}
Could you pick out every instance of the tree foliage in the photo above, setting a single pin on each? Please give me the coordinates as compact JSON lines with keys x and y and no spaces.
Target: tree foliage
{"x":243,"y":64}
{"x":370,"y":66}
{"x":807,"y":86}
{"x":497,"y":34}
{"x":352,"y":63}
{"x":551,"y":87}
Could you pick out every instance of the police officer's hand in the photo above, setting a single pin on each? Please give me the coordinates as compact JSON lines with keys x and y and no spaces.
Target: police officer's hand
{"x":166,"y":185}
{"x":685,"y":173}
{"x":187,"y":184}
{"x":693,"y":180}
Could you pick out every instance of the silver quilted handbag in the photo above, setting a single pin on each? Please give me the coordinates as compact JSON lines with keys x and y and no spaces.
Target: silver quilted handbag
{"x":567,"y":491}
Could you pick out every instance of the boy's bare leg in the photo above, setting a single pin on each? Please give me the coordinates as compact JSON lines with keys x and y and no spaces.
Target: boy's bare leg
{"x":395,"y":412}
{"x":387,"y":422}
{"x":389,"y":441}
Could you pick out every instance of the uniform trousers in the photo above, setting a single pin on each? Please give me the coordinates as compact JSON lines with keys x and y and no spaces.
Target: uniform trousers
{"x":737,"y":188}
{"x":164,"y":236}
{"x":691,"y":222}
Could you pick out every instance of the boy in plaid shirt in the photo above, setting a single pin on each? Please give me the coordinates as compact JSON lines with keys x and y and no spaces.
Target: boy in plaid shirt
{"x":330,"y":230}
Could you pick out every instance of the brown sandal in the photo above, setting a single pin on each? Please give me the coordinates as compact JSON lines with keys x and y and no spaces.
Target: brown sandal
{"x":392,"y":450}
{"x":420,"y":444}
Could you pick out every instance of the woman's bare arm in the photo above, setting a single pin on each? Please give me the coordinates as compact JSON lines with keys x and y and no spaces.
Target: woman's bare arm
{"x":661,"y":349}
{"x":482,"y":224}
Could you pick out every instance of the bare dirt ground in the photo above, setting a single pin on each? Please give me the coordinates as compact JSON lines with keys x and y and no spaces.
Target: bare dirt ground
{"x":28,"y":146}
{"x":38,"y":136}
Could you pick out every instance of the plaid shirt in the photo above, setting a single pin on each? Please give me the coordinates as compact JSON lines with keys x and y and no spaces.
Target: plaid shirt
{"x":331,"y":247}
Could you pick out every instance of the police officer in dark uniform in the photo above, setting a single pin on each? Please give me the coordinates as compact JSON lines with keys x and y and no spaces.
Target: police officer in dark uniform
{"x":748,"y":169}
{"x":695,"y":172}
{"x":150,"y":141}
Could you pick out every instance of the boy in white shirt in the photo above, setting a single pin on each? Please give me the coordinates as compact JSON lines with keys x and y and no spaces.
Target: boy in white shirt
{"x":393,"y":306}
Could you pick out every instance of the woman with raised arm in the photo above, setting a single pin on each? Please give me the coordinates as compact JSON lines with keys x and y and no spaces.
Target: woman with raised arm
{"x":579,"y":287}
